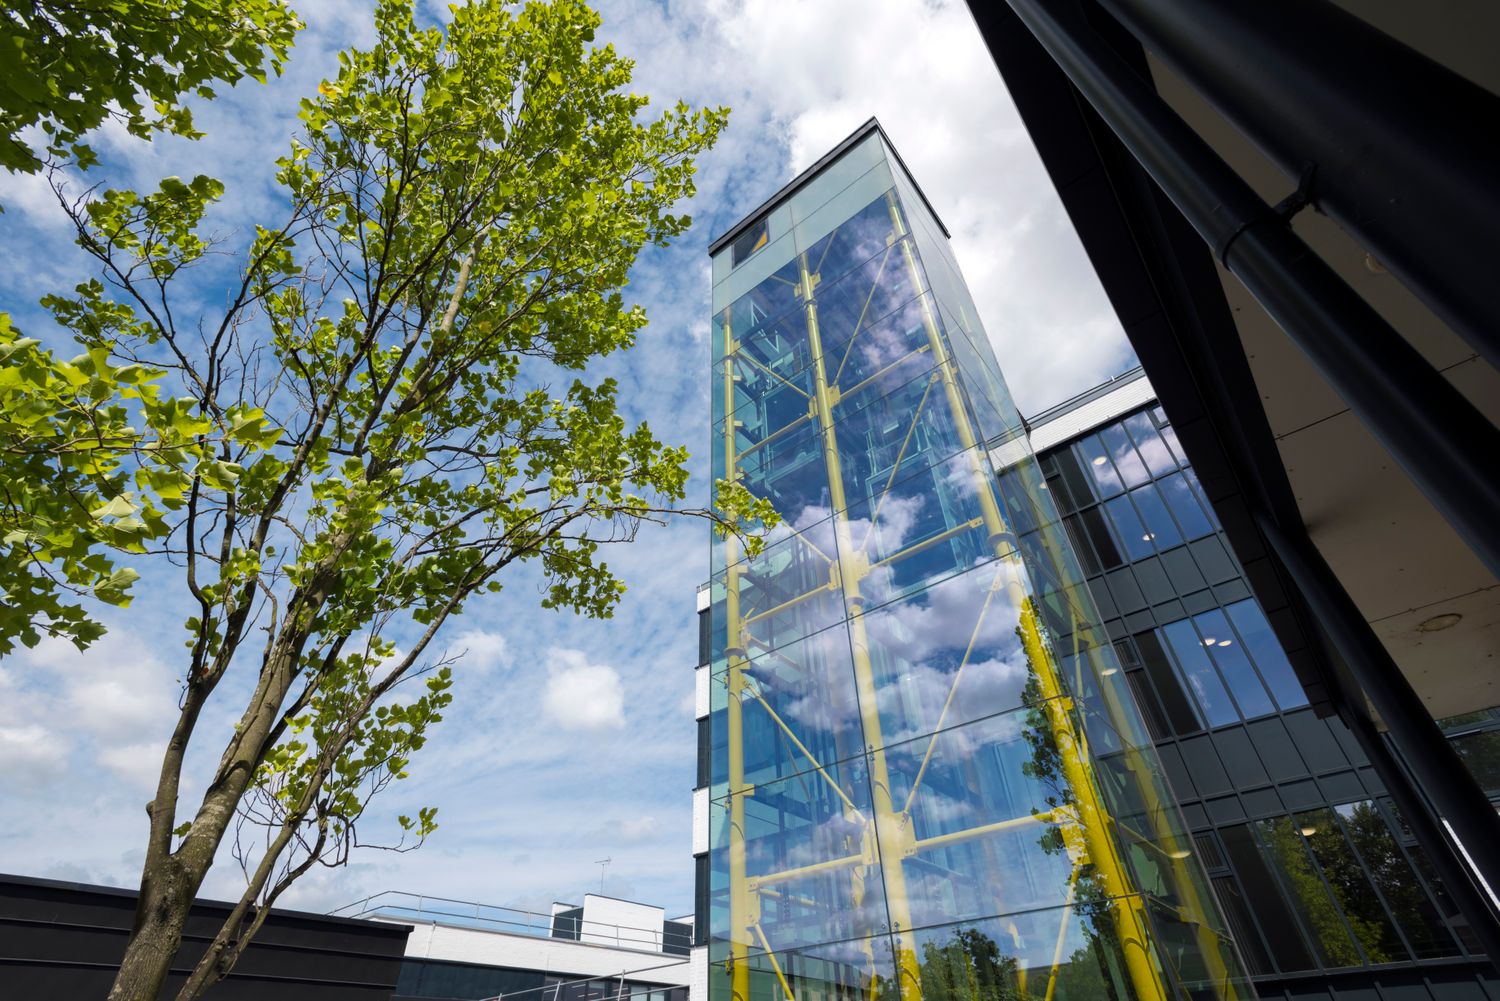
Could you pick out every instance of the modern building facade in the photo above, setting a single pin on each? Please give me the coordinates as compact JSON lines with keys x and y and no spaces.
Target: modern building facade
{"x":604,"y":949}
{"x":926,"y":774}
{"x":1286,"y":206}
{"x":1325,"y":888}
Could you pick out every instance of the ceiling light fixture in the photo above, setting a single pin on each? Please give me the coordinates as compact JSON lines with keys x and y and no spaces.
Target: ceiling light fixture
{"x":1225,"y":642}
{"x":1309,"y":830}
{"x":1099,"y":460}
{"x":1179,"y":854}
{"x":1208,"y":641}
{"x":1108,"y":671}
{"x":1148,"y":536}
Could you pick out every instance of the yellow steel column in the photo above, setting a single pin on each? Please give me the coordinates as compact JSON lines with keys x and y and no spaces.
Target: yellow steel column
{"x":741,"y":910}
{"x":892,"y":827}
{"x":1127,"y":906}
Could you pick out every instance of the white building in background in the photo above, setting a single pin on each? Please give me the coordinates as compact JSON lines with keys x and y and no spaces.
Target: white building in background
{"x":604,"y":949}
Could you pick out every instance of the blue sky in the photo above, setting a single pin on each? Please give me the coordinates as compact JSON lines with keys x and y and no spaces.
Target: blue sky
{"x":569,"y":740}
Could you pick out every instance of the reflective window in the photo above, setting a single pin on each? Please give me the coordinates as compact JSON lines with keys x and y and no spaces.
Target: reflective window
{"x":1096,"y":462}
{"x":747,"y":243}
{"x":1314,"y":906}
{"x":1185,"y":506}
{"x":1350,"y":887}
{"x":1149,"y":443}
{"x":1129,"y":528}
{"x":1261,"y":643}
{"x":1198,"y":673}
{"x":1228,"y":655}
{"x":1159,"y":524}
{"x":1129,"y":465}
{"x":1413,"y":911}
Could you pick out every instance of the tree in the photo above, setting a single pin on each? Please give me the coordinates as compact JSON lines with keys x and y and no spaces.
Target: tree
{"x":70,"y":67}
{"x":381,"y":437}
{"x":70,"y":456}
{"x":72,"y":64}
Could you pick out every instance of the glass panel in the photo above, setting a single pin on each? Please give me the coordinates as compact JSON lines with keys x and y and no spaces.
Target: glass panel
{"x":1192,"y":479}
{"x":1265,"y":649}
{"x":1414,"y":912}
{"x":1159,"y":524}
{"x":964,"y":782}
{"x":946,"y":655}
{"x":1202,"y":680}
{"x":1272,"y":914}
{"x":1222,"y":645}
{"x":1129,"y":528}
{"x":1481,"y":753}
{"x":1351,"y":888}
{"x":1099,"y":535}
{"x":923,"y":529}
{"x":803,"y":842}
{"x":1185,"y":506}
{"x":1170,"y":437}
{"x":1132,"y":470}
{"x":1181,"y":711}
{"x":800,"y":693}
{"x":1310,"y":898}
{"x":1096,"y":461}
{"x":1012,"y":957}
{"x":851,"y":970}
{"x":1148,"y":442}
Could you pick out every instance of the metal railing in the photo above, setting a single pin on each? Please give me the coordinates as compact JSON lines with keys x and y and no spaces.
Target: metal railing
{"x":425,"y":909}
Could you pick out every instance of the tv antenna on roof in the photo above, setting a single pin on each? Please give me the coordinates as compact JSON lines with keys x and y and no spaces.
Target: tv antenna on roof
{"x":602,"y":863}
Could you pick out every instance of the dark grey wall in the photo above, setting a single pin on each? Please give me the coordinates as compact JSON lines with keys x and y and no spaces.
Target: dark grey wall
{"x":64,"y":941}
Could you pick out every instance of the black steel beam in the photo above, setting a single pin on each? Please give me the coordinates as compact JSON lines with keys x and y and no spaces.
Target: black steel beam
{"x":1441,"y":439}
{"x":1402,"y":147}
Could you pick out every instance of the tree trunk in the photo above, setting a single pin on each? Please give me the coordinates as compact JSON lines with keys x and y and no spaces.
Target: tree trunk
{"x":166,"y":894}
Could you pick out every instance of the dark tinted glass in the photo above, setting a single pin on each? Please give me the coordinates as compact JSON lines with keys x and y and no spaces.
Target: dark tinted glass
{"x":1185,"y":506}
{"x":1270,"y":910}
{"x":749,"y":242}
{"x":1148,"y":442}
{"x":1129,"y":528}
{"x":1350,"y":886}
{"x":1266,"y":651}
{"x":1096,"y":462}
{"x":1224,"y":647}
{"x":1104,"y":543}
{"x":1199,"y":674}
{"x":1413,"y":910}
{"x":1179,"y":709}
{"x":1159,"y":524}
{"x":1122,"y":451}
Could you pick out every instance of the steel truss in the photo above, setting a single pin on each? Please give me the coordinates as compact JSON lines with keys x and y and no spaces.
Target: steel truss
{"x":1091,"y":835}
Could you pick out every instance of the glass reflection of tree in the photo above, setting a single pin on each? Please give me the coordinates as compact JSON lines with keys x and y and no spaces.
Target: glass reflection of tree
{"x":1289,"y":856}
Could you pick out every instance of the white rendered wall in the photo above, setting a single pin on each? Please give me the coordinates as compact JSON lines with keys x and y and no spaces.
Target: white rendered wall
{"x":698,"y":974}
{"x":561,"y":957}
{"x":607,"y":921}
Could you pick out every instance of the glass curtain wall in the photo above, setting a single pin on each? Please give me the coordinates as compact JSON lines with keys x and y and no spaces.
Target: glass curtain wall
{"x":928,"y":777}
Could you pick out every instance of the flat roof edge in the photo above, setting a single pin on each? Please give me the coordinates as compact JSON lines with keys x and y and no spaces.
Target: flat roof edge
{"x":802,"y":179}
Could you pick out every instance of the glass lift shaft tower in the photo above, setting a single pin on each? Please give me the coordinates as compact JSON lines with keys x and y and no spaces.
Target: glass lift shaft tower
{"x":929,"y":780}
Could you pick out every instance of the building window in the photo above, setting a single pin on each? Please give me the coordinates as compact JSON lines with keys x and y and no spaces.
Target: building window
{"x":748,"y":242}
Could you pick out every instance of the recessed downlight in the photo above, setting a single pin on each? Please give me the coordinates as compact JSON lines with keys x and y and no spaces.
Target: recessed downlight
{"x":1225,"y":642}
{"x":1099,"y":460}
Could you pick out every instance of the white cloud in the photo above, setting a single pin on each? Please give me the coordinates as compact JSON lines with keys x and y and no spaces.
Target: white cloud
{"x":581,"y":695}
{"x":483,"y":651}
{"x":32,"y":756}
{"x":639,"y":828}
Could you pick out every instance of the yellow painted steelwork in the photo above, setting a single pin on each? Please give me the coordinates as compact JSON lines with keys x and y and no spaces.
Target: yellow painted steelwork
{"x":1090,"y":835}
